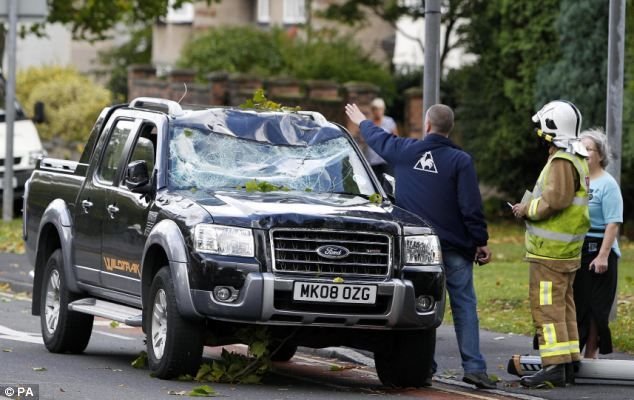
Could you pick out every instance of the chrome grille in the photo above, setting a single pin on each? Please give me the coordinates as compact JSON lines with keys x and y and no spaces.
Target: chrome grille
{"x":295,"y":251}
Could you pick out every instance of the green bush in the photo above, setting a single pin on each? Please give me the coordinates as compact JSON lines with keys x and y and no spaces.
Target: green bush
{"x":275,"y":53}
{"x":72,"y":101}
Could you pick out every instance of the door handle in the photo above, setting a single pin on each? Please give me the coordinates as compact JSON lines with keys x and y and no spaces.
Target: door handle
{"x":86,"y":205}
{"x":112,"y":210}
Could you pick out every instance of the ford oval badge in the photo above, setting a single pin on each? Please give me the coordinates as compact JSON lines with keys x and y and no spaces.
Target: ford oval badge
{"x":333,"y":252}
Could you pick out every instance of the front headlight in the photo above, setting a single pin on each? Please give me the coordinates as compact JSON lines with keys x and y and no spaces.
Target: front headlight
{"x":422,"y":250}
{"x":224,"y":240}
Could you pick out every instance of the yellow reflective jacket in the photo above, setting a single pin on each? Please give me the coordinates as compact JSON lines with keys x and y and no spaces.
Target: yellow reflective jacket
{"x":559,"y":237}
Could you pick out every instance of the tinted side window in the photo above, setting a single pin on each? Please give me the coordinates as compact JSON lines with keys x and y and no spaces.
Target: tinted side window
{"x":114,"y":150}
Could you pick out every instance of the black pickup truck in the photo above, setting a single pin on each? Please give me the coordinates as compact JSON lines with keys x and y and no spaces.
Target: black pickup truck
{"x":193,"y":223}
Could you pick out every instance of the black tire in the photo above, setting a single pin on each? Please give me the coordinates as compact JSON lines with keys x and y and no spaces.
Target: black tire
{"x":71,"y":332}
{"x":406,"y":360}
{"x":182,"y":341}
{"x":284,"y":353}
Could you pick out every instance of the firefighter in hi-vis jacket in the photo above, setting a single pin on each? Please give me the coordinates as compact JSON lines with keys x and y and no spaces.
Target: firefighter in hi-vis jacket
{"x":556,"y":216}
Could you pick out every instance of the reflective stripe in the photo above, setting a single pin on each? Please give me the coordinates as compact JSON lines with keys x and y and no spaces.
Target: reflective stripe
{"x":532,"y":209}
{"x":554,"y":353}
{"x":580,"y":201}
{"x":554,"y":349}
{"x":574,"y":347}
{"x":545,"y":293}
{"x":550,"y":235}
{"x":550,"y":336}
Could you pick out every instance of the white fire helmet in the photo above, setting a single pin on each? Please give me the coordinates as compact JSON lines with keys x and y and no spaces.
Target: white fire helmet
{"x":559,"y":122}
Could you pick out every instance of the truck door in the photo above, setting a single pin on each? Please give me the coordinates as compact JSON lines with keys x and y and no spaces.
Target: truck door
{"x":91,"y":203}
{"x":126,"y":220}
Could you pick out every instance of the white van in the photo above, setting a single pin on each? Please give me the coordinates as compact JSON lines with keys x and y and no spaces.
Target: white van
{"x":27,"y":148}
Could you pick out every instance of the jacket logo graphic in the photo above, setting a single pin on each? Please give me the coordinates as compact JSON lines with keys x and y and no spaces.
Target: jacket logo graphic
{"x":426,"y":163}
{"x":333,"y":252}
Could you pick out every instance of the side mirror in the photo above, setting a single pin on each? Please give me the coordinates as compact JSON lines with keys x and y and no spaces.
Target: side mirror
{"x":137,"y":178}
{"x":389,"y":184}
{"x":39,"y":115}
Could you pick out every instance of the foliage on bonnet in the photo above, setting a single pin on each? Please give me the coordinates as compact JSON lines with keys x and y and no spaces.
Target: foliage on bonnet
{"x":263,"y":186}
{"x":72,"y":101}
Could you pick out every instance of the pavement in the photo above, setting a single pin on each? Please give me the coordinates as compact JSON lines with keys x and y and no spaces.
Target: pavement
{"x":496,"y":347}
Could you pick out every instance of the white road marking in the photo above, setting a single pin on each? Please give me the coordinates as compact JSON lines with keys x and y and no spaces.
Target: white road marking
{"x":114,"y":335}
{"x":11,"y":334}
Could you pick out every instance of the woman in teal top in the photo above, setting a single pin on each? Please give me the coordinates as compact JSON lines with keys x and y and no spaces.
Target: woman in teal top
{"x":595,"y":282}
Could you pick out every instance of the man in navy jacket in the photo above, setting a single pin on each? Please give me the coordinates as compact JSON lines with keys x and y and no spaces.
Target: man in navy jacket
{"x":436,"y":180}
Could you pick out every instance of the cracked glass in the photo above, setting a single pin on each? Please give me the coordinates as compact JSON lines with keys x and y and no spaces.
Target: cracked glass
{"x":290,"y":153}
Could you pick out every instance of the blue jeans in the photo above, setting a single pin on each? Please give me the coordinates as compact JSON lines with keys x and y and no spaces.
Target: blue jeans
{"x":462,"y":298}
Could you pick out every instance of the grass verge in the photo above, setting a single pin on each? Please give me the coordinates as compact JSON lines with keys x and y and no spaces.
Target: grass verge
{"x":11,"y":237}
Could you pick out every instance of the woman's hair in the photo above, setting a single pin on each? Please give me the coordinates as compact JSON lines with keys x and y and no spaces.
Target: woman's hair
{"x":601,"y":143}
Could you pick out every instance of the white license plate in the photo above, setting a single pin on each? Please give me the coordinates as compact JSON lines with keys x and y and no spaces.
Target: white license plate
{"x":334,"y":293}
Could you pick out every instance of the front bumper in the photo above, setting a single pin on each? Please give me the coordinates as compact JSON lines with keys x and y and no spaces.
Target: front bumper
{"x":267,"y":299}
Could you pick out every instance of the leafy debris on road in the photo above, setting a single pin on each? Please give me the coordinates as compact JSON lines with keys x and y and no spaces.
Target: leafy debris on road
{"x":5,"y":287}
{"x":337,"y":368}
{"x":39,"y":369}
{"x":7,"y":350}
{"x":114,"y":324}
{"x":185,"y":378}
{"x":238,"y":368}
{"x":140,"y":361}
{"x":203,"y":391}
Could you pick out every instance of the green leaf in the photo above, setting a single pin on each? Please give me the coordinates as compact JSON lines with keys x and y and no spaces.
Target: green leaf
{"x":188,"y":132}
{"x":114,"y":324}
{"x":140,"y":361}
{"x":39,"y":369}
{"x":203,"y":371}
{"x":258,"y":349}
{"x":376,"y":198}
{"x":185,"y":378}
{"x":202,"y":391}
{"x":258,"y":96}
{"x":251,"y":186}
{"x":251,"y":379}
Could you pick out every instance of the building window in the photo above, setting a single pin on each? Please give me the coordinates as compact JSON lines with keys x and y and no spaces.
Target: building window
{"x":263,"y":12}
{"x":294,"y":11}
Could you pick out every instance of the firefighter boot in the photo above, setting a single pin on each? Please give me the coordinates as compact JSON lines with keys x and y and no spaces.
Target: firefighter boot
{"x":551,"y":375}
{"x":570,"y":374}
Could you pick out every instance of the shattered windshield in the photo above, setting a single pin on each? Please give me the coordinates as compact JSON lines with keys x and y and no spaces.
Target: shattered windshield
{"x":203,"y":159}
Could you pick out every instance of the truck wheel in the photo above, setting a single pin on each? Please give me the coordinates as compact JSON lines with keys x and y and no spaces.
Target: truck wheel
{"x":174,"y":344}
{"x":285,"y":353}
{"x":62,"y":330}
{"x":406,"y":359}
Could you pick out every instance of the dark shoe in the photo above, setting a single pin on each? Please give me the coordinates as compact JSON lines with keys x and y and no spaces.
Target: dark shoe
{"x":552,"y":375}
{"x":570,"y":374}
{"x":480,"y":379}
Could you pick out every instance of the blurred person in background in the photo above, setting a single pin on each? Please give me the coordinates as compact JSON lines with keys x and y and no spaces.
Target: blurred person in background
{"x":595,"y":282}
{"x":378,"y":118}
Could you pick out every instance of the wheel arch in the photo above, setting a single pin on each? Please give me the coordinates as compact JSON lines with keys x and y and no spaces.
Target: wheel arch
{"x":165,"y":245}
{"x":55,"y":232}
